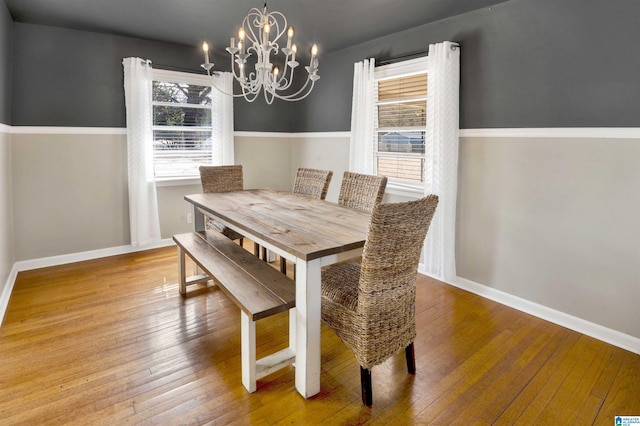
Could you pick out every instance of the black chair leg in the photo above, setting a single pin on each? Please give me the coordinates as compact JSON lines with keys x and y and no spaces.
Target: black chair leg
{"x":256,"y":249}
{"x":411,"y":359}
{"x":264,"y":254}
{"x":283,"y":265}
{"x":365,"y":383}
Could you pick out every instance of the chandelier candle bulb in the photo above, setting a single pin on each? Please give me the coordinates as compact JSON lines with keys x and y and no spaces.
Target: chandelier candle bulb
{"x":241,"y":36}
{"x":314,"y":57}
{"x":205,"y":48}
{"x":232,"y":43}
{"x":265,"y":35}
{"x":289,"y":37}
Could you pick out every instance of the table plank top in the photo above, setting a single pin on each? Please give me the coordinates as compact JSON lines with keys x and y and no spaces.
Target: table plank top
{"x":304,"y":227}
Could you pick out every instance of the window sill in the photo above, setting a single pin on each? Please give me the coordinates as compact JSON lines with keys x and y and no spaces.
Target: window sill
{"x":177,"y":181}
{"x":405,"y":190}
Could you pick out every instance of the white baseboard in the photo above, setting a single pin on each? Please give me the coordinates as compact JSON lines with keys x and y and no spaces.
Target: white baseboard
{"x":6,"y":292}
{"x":580,"y":325}
{"x":27,"y":265}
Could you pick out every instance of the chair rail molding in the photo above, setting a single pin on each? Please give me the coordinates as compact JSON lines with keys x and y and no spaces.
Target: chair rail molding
{"x":555,"y":132}
{"x":548,"y":132}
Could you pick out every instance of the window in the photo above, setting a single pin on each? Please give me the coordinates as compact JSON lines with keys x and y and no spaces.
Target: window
{"x":183,"y":124}
{"x":400,"y":121}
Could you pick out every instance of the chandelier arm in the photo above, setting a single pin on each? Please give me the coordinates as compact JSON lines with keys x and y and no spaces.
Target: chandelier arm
{"x":246,"y":22}
{"x":233,"y":69}
{"x":269,"y":99}
{"x":279,"y":31}
{"x":289,"y":79}
{"x":247,"y":96}
{"x":293,"y":96}
{"x":222,"y":91}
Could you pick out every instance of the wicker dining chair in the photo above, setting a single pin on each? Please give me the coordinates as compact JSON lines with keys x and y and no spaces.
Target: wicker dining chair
{"x":371,"y":305}
{"x":312,"y":183}
{"x":222,"y":179}
{"x":360,"y":191}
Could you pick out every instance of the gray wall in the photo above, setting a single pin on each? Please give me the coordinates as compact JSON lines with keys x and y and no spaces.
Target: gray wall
{"x":555,"y":221}
{"x":70,"y":190}
{"x":524,"y":63}
{"x":70,"y":193}
{"x":7,"y":251}
{"x":6,"y":41}
{"x":74,"y":78}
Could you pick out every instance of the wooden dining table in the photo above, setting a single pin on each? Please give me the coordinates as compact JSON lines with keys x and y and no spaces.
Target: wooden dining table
{"x":311,"y":234}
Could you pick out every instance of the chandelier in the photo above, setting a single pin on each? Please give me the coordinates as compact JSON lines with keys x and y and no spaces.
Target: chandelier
{"x":260,"y":35}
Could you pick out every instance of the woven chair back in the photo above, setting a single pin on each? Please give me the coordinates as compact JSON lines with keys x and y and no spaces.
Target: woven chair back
{"x":386,"y":293}
{"x":221,"y":178}
{"x":360,"y":191}
{"x":312,"y":183}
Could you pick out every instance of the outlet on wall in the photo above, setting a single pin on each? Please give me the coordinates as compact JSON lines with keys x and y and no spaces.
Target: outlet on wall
{"x":189,"y":217}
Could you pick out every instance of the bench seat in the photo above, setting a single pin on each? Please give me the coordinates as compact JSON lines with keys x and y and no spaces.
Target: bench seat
{"x":255,"y":287}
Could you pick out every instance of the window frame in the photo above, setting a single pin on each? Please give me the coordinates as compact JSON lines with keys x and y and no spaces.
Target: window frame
{"x":183,"y":78}
{"x":391,"y":71}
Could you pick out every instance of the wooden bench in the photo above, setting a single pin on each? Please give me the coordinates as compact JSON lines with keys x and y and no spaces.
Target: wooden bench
{"x":258,"y":289}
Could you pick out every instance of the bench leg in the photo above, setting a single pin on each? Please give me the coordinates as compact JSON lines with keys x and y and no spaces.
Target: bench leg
{"x":182,"y":275}
{"x":248,"y":343}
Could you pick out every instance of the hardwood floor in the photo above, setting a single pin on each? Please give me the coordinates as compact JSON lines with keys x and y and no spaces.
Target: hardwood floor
{"x":110,"y":341}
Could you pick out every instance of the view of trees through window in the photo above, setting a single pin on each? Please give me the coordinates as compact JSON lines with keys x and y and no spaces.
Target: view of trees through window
{"x":182,"y":128}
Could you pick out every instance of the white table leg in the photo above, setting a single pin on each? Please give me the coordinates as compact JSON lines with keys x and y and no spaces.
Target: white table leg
{"x":308,"y":327}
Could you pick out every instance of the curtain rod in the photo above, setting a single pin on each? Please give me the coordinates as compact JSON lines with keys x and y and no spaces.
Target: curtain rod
{"x":403,"y":57}
{"x":412,"y":55}
{"x":173,"y":68}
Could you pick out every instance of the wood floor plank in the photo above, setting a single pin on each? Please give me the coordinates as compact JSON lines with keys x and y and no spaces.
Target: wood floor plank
{"x":110,"y":341}
{"x":623,"y":398}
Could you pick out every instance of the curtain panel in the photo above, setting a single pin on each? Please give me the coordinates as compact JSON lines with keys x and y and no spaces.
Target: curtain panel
{"x":441,"y":157}
{"x":222,"y":120}
{"x":143,"y":204}
{"x":361,"y":154}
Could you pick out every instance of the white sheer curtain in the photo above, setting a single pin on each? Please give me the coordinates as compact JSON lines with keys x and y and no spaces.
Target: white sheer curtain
{"x":362,"y":108}
{"x":222,"y":120}
{"x":441,"y":157}
{"x":143,"y":205}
